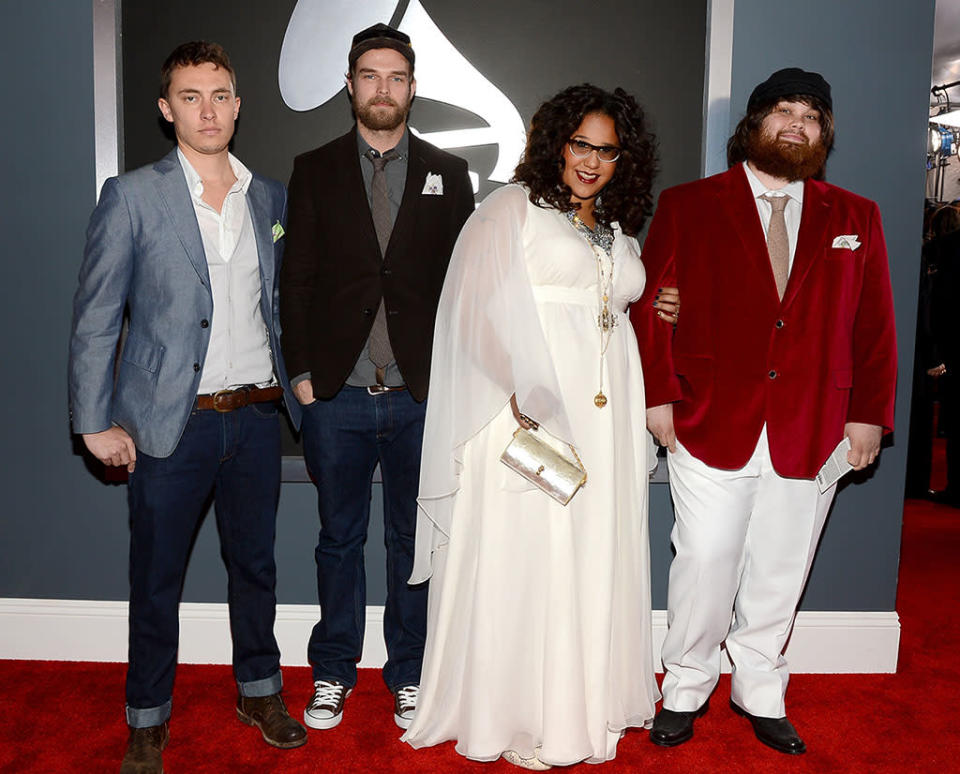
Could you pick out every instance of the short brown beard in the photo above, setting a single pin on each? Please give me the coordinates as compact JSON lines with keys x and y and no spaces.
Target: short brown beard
{"x":785,"y":160}
{"x":373,"y":117}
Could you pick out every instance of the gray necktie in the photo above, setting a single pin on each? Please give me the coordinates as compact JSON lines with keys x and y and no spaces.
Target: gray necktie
{"x":381,"y":353}
{"x":778,"y":244}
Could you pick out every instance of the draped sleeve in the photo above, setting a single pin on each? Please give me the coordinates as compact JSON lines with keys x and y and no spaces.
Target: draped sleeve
{"x":488,"y":344}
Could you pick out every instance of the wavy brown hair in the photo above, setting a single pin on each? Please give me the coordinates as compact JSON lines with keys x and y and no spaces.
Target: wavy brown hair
{"x":628,"y":197}
{"x":739,"y":142}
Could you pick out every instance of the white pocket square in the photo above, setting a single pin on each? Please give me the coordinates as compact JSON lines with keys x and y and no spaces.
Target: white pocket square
{"x":433,"y":185}
{"x":847,"y":241}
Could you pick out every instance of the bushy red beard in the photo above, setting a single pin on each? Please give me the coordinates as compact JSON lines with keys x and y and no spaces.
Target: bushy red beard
{"x":785,"y":160}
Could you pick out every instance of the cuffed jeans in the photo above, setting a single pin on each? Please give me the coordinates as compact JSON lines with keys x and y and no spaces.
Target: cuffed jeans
{"x":343,"y":440}
{"x":236,"y":456}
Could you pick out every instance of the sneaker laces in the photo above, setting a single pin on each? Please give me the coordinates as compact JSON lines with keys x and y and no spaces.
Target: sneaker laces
{"x":407,"y":697}
{"x":326,"y":694}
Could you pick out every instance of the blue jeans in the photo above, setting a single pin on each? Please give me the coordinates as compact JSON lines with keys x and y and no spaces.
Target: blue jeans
{"x":343,"y":440}
{"x":236,"y":457}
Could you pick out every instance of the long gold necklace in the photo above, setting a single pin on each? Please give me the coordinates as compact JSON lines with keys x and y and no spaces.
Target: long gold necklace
{"x":600,"y":240}
{"x":606,"y":320}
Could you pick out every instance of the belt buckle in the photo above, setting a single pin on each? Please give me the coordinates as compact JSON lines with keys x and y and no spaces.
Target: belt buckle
{"x":216,"y":401}
{"x":377,"y":389}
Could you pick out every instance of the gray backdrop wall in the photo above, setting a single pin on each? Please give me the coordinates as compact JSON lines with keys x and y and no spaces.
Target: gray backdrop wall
{"x":63,"y":533}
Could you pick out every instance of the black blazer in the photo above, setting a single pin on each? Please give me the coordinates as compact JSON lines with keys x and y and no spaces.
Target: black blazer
{"x":333,"y":278}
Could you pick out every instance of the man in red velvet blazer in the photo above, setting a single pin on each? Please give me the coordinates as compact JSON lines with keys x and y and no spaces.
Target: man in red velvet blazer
{"x":787,"y":345}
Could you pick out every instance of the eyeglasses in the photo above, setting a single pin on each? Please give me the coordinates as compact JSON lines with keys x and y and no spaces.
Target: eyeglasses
{"x":582,"y":149}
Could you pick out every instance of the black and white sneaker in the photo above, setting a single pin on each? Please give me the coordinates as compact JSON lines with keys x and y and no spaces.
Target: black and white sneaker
{"x":325,"y":709}
{"x":405,"y":704}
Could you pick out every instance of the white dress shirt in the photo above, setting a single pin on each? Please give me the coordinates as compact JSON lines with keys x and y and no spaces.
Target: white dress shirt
{"x":791,"y":214}
{"x":239,"y":350}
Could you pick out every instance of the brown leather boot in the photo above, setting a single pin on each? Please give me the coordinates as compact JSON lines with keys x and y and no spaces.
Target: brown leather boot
{"x":144,"y":748}
{"x":269,"y":714}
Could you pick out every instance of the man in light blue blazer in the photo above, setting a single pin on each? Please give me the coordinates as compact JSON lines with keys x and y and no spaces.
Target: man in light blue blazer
{"x":189,"y":248}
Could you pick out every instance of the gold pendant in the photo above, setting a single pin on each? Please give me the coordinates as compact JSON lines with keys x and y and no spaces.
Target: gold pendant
{"x":600,"y":400}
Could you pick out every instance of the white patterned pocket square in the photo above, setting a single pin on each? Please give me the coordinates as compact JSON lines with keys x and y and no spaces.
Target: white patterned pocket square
{"x":846,"y":241}
{"x":433,"y":185}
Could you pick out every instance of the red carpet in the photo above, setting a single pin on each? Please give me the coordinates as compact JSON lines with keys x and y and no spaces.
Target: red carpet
{"x":67,"y":717}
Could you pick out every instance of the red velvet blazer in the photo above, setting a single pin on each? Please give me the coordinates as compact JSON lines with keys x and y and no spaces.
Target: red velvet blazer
{"x":739,"y":358}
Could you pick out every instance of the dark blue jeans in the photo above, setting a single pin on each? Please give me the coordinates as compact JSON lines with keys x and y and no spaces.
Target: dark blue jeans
{"x":343,"y":439}
{"x":236,"y":457}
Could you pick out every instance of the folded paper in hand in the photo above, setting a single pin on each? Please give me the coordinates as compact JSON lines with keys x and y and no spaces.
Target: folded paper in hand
{"x":835,"y":467}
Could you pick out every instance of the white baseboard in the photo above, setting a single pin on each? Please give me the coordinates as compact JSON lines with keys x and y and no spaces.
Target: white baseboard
{"x":77,"y":630}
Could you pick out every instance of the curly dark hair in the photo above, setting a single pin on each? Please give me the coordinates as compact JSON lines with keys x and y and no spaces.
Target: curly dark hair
{"x":739,"y":142}
{"x":627,"y":198}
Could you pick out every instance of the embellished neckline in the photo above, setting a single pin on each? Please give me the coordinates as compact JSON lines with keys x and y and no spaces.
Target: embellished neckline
{"x":601,"y":236}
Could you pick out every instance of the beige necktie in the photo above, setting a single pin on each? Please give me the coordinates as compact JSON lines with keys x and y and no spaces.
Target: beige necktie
{"x":381,"y":352}
{"x":778,"y":245}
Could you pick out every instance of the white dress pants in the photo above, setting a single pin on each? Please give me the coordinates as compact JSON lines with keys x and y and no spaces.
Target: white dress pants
{"x":744,"y":542}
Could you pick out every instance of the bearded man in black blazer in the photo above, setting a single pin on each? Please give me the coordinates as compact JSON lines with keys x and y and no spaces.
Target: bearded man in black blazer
{"x":373,"y":217}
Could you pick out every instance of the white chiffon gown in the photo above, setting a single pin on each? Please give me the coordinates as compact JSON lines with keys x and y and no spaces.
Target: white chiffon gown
{"x":539,"y":625}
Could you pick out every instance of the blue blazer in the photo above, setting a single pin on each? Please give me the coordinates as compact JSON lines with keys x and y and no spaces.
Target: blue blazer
{"x":144,"y":254}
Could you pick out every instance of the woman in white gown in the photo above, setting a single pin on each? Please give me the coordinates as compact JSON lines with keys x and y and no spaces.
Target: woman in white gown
{"x":539,"y":633}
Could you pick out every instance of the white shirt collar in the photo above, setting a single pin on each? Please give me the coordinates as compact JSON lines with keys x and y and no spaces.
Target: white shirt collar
{"x":793,"y":189}
{"x":195,"y":184}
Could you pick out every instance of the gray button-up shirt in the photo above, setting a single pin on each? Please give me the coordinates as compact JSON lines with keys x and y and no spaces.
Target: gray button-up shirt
{"x":364,"y":372}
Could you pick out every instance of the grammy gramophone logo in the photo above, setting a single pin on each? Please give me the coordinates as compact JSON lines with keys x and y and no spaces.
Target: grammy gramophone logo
{"x":314,"y":55}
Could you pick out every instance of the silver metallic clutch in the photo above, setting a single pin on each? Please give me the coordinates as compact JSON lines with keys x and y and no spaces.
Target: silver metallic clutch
{"x":538,"y":462}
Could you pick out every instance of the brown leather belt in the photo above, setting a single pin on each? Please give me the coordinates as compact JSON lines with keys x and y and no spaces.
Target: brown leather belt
{"x":228,"y":400}
{"x":379,"y":389}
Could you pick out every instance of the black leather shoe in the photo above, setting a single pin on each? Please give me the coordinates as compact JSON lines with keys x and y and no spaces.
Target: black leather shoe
{"x":269,"y":714}
{"x":944,"y":497}
{"x":672,"y":728}
{"x":777,"y":733}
